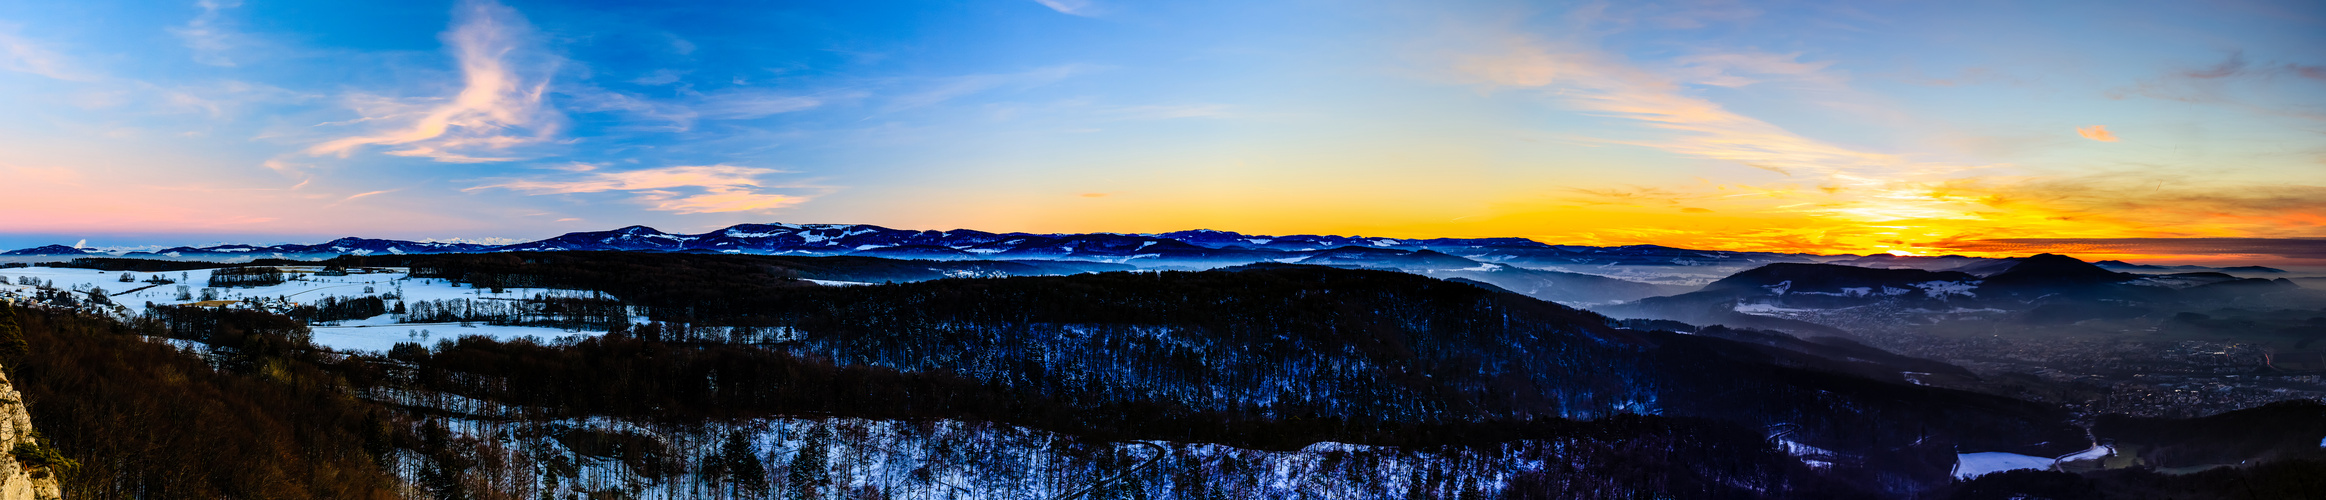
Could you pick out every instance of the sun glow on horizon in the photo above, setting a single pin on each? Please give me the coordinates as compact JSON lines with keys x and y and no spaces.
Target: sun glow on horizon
{"x":1755,"y":128}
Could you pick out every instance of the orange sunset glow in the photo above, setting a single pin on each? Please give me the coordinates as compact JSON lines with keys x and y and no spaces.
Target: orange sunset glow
{"x":1163,"y":249}
{"x":1747,"y":128}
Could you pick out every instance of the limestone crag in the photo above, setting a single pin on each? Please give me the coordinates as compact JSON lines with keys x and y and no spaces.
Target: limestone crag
{"x":16,"y":480}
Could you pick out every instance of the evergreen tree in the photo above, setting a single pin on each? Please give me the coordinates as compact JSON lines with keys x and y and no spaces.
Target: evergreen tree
{"x":12,"y":346}
{"x":810,"y":469}
{"x":742,"y":466}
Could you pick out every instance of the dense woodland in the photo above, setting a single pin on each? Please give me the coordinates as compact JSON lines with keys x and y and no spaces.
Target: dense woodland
{"x":147,"y":420}
{"x":2299,"y":478}
{"x":745,"y":382}
{"x":245,"y":276}
{"x":2286,"y":430}
{"x":1359,"y":344}
{"x":580,"y":313}
{"x":335,"y":309}
{"x":265,"y":398}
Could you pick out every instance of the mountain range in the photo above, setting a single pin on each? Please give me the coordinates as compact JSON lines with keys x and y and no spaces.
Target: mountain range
{"x":1825,"y":299}
{"x":1767,"y":382}
{"x":1200,"y":248}
{"x":1206,"y":248}
{"x":1570,"y":274}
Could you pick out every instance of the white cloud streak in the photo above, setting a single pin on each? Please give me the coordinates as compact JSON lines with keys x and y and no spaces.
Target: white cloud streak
{"x":960,"y":86}
{"x":747,"y":104}
{"x":1731,"y":69}
{"x":2238,"y":83}
{"x":207,"y":34}
{"x":682,"y":114}
{"x":1856,"y":185}
{"x":1596,"y":83}
{"x":1070,"y":7}
{"x":501,"y":103}
{"x":681,"y":189}
{"x":26,"y":56}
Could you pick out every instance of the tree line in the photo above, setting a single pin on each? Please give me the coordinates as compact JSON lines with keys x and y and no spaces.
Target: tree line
{"x":581,"y":313}
{"x":146,"y":420}
{"x":1268,"y":358}
{"x":245,"y":276}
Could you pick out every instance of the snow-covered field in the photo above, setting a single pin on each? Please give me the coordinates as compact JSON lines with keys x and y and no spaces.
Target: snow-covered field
{"x":838,"y":283}
{"x":382,"y":332}
{"x":1765,"y":309}
{"x":307,"y":288}
{"x":1970,"y":465}
{"x":378,"y":333}
{"x":1810,"y":455}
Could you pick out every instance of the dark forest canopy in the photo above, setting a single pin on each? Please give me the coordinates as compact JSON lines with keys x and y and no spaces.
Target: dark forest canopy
{"x":138,"y":265}
{"x":246,"y":276}
{"x":560,"y":268}
{"x":1273,"y":357}
{"x":145,"y":420}
{"x":1370,"y":348}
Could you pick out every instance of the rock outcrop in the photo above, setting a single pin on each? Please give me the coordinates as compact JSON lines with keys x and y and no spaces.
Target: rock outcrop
{"x":24,"y":473}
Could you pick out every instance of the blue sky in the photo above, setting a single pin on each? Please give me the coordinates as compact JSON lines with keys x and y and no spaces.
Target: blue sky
{"x":1843,"y":126}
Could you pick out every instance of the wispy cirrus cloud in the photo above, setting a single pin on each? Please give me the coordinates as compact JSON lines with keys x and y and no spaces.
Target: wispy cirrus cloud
{"x":366,"y":194}
{"x":680,"y":189}
{"x":362,"y":195}
{"x":501,"y":103}
{"x":28,"y":56}
{"x":951,"y":88}
{"x":208,"y":35}
{"x":745,"y":104}
{"x":2162,"y":205}
{"x":221,"y":98}
{"x":1070,"y":7}
{"x":1738,"y":69}
{"x":2233,"y":82}
{"x":1602,"y":84}
{"x":2235,"y":66}
{"x":100,"y":90}
{"x":1847,"y":198}
{"x":684,"y":113}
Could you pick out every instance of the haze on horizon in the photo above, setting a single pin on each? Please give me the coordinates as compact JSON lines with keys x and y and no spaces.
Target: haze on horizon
{"x":1984,"y":128}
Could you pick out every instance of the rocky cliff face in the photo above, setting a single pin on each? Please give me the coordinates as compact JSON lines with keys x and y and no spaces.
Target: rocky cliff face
{"x":23,"y":474}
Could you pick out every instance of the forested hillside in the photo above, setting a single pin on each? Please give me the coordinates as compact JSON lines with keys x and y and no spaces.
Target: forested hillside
{"x":727,"y":376}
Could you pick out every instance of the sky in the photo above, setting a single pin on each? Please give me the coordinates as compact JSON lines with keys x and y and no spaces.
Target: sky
{"x":2180,"y":130}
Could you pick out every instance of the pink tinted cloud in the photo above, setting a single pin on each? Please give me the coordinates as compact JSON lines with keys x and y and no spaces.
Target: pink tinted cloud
{"x":2097,"y":133}
{"x":28,"y":56}
{"x":1598,"y":83}
{"x":499,"y":106}
{"x":681,"y":189}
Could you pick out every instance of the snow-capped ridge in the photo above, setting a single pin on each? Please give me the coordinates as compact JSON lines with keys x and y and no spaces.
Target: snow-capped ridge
{"x":1197,"y":248}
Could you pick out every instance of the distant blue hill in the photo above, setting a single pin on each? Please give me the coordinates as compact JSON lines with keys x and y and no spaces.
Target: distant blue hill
{"x":1198,"y":248}
{"x":48,"y":250}
{"x":1202,"y":248}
